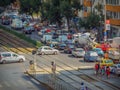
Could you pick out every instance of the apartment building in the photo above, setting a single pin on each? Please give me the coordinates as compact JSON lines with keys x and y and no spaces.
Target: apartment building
{"x":113,"y":12}
{"x":110,"y":8}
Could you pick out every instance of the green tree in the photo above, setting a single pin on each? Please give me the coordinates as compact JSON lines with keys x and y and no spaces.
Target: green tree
{"x":30,"y":6}
{"x":66,"y":11}
{"x":92,"y":20}
{"x":5,"y":3}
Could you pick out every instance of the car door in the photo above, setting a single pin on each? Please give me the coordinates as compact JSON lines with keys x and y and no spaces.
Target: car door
{"x":50,"y":50}
{"x":14,"y":57}
{"x":7,"y":57}
{"x":46,"y":50}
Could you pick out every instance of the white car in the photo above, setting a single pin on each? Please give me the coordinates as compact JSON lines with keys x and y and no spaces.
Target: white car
{"x":47,"y":50}
{"x":116,"y":69}
{"x":10,"y":57}
{"x":78,"y":52}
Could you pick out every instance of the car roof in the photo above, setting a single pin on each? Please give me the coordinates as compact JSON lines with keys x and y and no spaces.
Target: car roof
{"x":5,"y":52}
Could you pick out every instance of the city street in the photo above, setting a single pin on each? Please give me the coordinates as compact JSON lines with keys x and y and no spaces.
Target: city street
{"x":12,"y":77}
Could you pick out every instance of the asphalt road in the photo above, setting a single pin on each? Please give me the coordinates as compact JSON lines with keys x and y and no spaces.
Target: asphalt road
{"x":12,"y":77}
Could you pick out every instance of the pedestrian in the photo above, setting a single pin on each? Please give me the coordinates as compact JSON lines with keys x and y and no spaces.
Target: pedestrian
{"x":97,"y":67}
{"x":102,"y":70}
{"x":53,"y":68}
{"x":83,"y":87}
{"x":106,"y":56}
{"x":108,"y":71}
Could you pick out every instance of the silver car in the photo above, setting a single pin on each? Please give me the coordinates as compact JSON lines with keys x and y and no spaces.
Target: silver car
{"x":78,"y":52}
{"x":116,"y":69}
{"x":47,"y":50}
{"x":11,"y":57}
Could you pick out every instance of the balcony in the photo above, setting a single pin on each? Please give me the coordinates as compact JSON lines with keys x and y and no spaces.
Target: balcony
{"x":115,"y":22}
{"x":87,"y":3}
{"x":113,"y":8}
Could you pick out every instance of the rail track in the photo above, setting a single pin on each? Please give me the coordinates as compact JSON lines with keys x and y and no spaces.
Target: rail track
{"x":12,"y":43}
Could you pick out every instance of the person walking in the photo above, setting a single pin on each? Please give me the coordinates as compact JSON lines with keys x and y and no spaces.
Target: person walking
{"x":97,"y":67}
{"x":83,"y":87}
{"x":102,"y":70}
{"x":53,"y":68}
{"x":108,"y":71}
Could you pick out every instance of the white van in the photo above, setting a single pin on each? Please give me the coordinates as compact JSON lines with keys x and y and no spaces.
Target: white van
{"x":10,"y":57}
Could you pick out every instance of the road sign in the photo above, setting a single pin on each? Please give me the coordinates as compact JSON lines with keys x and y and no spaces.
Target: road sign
{"x":107,"y":27}
{"x":107,"y":21}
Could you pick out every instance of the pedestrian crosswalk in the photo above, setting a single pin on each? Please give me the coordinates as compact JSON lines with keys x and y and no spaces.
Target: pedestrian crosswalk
{"x":15,"y":83}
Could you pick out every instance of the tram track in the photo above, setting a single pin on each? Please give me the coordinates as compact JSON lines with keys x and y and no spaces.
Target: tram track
{"x":8,"y":40}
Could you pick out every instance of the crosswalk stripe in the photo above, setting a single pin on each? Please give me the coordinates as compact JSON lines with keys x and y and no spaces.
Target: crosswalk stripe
{"x":0,"y":85}
{"x":7,"y":84}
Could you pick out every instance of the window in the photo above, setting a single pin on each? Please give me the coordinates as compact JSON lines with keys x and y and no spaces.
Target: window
{"x":15,"y":55}
{"x":6,"y":55}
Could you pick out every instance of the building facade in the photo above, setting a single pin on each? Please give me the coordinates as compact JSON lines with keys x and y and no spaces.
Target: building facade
{"x":110,"y":8}
{"x":113,"y":12}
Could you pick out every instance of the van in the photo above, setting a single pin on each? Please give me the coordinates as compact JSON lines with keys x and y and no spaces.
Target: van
{"x":6,"y":57}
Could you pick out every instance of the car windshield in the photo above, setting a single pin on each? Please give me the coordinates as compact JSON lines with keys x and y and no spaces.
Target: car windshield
{"x":71,"y":46}
{"x":93,"y":54}
{"x":108,"y":61}
{"x":119,"y":66}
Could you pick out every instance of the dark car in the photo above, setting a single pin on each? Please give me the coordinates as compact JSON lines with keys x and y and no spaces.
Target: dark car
{"x":6,"y":22}
{"x":91,"y":56}
{"x":68,"y":49}
{"x":27,"y":30}
{"x":61,"y":46}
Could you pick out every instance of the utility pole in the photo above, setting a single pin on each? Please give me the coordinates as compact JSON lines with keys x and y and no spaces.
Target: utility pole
{"x":105,"y":31}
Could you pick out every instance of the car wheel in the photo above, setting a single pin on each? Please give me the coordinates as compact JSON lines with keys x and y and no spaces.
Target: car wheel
{"x":20,"y":60}
{"x":4,"y":61}
{"x":55,"y":53}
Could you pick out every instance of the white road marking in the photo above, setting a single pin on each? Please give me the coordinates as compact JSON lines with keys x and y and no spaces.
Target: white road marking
{"x":1,"y":86}
{"x":7,"y":84}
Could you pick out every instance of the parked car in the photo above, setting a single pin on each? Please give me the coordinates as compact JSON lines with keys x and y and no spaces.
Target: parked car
{"x":91,"y":56}
{"x":47,"y":50}
{"x":68,"y":49}
{"x":6,"y":57}
{"x":27,"y":30}
{"x":116,"y":69}
{"x":61,"y":46}
{"x":78,"y":52}
{"x":114,"y":54}
{"x":17,"y":24}
{"x":106,"y":62}
{"x":99,"y":51}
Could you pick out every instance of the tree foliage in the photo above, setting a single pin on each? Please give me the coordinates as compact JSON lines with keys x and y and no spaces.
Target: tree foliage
{"x":5,"y":3}
{"x":91,"y":21}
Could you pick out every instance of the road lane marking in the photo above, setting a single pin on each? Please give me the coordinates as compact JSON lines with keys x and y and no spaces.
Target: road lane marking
{"x":7,"y":84}
{"x":0,"y":85}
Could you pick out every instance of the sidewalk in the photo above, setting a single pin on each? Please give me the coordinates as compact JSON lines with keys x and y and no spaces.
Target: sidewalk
{"x":62,"y":81}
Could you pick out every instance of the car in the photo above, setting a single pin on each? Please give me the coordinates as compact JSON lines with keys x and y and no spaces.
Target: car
{"x":68,"y":49}
{"x":114,"y":54}
{"x":61,"y":46}
{"x":78,"y":52}
{"x":6,"y":57}
{"x":116,"y":69}
{"x":27,"y":30}
{"x":91,"y":56}
{"x":99,"y":51}
{"x":17,"y":24}
{"x":106,"y":62}
{"x":44,"y":50}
